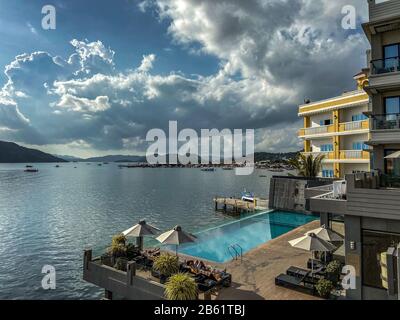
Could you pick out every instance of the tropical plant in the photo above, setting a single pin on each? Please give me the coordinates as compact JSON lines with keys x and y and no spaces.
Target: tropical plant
{"x":118,"y":239}
{"x":166,"y":264}
{"x":307,"y":165}
{"x":181,"y":286}
{"x":118,"y":246}
{"x":324,"y":287}
{"x":117,"y":250}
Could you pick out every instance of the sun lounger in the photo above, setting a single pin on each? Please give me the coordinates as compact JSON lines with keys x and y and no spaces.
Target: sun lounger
{"x":303,"y":273}
{"x":295,"y":283}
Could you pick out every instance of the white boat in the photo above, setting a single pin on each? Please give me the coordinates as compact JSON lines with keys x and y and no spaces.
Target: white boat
{"x":248,"y":196}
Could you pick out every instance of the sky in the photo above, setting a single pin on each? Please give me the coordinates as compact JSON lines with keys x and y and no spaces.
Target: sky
{"x":113,"y":70}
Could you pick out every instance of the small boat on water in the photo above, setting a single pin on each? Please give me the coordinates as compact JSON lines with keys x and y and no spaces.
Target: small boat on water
{"x":247,"y":196}
{"x":28,"y":166}
{"x":227,"y":168}
{"x":57,"y":166}
{"x":31,"y":170}
{"x":99,"y":164}
{"x":208,"y":169}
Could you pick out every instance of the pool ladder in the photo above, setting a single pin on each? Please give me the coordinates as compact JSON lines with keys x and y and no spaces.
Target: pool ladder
{"x":236,"y":251}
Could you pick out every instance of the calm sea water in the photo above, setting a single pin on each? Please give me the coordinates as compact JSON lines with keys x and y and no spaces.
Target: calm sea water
{"x":49,"y":217}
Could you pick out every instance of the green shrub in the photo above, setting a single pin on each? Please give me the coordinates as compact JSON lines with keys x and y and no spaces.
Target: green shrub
{"x":120,"y":264}
{"x":324,"y":287}
{"x":334,"y":267}
{"x":166,"y":264}
{"x":181,"y":286}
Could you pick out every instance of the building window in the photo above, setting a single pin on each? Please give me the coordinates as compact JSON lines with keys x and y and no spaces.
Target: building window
{"x":325,"y":122}
{"x":391,"y":57}
{"x":327,"y":147}
{"x":327,"y":173}
{"x":373,"y":245}
{"x":392,"y":105}
{"x":359,"y":117}
{"x":360,"y":145}
{"x":392,"y":166}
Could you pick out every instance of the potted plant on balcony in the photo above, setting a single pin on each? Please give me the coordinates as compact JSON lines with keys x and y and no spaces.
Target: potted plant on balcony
{"x":181,"y":286}
{"x":165,"y":266}
{"x":324,"y":288}
{"x":333,"y":270}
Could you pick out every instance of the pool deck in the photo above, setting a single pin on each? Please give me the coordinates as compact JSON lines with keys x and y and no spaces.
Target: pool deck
{"x":254,"y":276}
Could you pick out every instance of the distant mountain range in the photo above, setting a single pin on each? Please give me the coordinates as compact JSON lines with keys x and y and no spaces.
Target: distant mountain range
{"x":13,"y":153}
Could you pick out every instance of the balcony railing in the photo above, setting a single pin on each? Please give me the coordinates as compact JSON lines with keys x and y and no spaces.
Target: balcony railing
{"x":328,"y":155}
{"x":354,"y":155}
{"x":387,"y":65}
{"x":354,"y":125}
{"x":316,"y":130}
{"x":386,"y":121}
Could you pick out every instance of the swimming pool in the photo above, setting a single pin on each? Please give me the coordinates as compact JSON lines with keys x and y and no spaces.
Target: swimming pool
{"x":214,"y":244}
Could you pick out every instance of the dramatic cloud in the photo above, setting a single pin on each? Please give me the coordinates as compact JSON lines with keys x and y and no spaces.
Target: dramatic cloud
{"x":272,"y":54}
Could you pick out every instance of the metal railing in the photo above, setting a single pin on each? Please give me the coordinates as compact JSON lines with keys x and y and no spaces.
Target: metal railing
{"x":236,"y":251}
{"x":387,"y":65}
{"x":386,"y":121}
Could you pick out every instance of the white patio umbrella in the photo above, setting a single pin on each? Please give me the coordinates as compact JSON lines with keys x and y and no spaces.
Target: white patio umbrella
{"x":140,"y":230}
{"x":176,"y":236}
{"x":395,"y":155}
{"x":326,"y":234}
{"x":312,"y":243}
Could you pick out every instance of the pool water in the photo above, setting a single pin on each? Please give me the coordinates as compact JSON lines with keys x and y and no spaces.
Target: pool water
{"x":248,"y":233}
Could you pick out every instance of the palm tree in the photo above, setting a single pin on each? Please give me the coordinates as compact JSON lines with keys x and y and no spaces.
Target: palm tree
{"x":308,"y":165}
{"x":181,"y":286}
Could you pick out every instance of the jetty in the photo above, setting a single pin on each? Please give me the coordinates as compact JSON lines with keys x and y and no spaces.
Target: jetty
{"x":236,"y":206}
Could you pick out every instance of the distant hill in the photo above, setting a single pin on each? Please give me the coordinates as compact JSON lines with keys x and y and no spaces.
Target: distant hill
{"x":115,"y":158}
{"x":67,"y":158}
{"x":13,"y":153}
{"x":263,"y":156}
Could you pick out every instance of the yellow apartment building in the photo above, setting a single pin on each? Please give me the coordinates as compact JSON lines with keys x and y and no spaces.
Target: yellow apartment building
{"x":339,"y":128}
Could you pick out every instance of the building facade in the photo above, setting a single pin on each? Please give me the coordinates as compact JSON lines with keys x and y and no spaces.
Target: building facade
{"x":338,"y":128}
{"x":369,"y":210}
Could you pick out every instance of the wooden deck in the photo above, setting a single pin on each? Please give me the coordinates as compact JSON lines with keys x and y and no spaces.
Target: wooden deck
{"x":237,"y":205}
{"x":254,"y":277}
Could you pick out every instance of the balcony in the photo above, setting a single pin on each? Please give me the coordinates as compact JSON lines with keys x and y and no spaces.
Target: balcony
{"x":354,"y":155}
{"x":354,"y":126}
{"x":385,"y":129}
{"x":368,"y":195}
{"x":388,"y":65}
{"x":385,"y":74}
{"x":386,"y":122}
{"x":317,"y":130}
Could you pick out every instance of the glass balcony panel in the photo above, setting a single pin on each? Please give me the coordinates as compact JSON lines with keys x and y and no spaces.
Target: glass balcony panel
{"x":387,"y":122}
{"x":387,"y":65}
